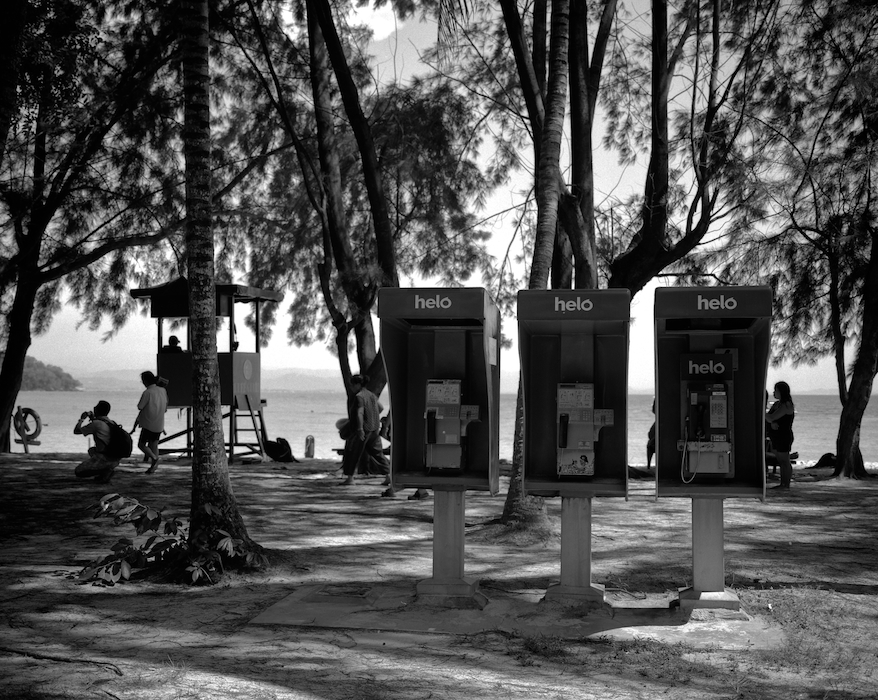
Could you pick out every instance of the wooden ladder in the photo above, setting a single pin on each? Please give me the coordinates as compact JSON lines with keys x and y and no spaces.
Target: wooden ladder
{"x":244,"y":408}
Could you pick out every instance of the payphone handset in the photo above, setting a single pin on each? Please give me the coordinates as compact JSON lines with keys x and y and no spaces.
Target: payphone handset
{"x":446,"y":424}
{"x":578,"y":424}
{"x":707,"y":399}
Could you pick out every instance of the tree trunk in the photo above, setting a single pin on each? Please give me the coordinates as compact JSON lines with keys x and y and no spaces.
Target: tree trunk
{"x":848,"y":458}
{"x":516,"y":504}
{"x":538,"y":53}
{"x":838,"y":339}
{"x":531,"y":85}
{"x":635,"y":267}
{"x":330,"y":170}
{"x":562,"y":261}
{"x":518,"y":507}
{"x":28,"y":235}
{"x":211,"y":485}
{"x":17,"y":344}
{"x":548,"y":188}
{"x":582,"y":156}
{"x":364,"y":332}
{"x":359,"y":289}
{"x":363,"y":134}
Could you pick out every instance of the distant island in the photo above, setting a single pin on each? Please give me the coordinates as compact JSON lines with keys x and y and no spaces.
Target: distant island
{"x":42,"y":377}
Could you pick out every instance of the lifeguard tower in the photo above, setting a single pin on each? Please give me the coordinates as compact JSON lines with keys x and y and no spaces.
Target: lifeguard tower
{"x":240,"y":386}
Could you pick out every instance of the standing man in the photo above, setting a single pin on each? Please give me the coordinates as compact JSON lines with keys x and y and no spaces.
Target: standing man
{"x":365,"y":416}
{"x":153,"y":404}
{"x":98,"y":464}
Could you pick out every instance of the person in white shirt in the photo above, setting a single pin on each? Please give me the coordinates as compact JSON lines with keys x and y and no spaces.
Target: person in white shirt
{"x":151,"y":419}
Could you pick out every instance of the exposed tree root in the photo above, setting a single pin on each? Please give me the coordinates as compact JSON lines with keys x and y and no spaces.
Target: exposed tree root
{"x":65,"y":659}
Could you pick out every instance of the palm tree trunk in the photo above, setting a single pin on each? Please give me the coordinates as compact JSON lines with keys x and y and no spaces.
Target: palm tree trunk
{"x":548,"y":188}
{"x":211,"y":485}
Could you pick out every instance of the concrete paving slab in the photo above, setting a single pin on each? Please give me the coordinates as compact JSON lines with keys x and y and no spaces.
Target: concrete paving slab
{"x":395,"y":607}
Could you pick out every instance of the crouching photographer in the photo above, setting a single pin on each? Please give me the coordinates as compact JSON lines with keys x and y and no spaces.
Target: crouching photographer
{"x":102,"y":459}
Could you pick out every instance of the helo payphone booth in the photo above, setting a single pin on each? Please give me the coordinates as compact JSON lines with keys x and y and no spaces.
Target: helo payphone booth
{"x":441,"y":353}
{"x":573,"y":347}
{"x":240,"y":372}
{"x":711,"y":349}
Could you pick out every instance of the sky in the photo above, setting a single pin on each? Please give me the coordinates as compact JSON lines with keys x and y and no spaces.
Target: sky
{"x":80,"y":351}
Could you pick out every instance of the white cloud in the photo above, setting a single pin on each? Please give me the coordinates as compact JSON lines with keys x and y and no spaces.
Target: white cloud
{"x":382,"y":21}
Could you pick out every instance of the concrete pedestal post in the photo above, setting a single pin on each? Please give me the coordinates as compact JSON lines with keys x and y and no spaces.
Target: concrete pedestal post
{"x":708,"y":565}
{"x":448,"y":587}
{"x":575,"y":585}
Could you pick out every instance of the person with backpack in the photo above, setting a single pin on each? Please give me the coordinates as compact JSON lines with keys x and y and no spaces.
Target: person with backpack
{"x":364,"y":414}
{"x":151,"y":419}
{"x":106,"y":453}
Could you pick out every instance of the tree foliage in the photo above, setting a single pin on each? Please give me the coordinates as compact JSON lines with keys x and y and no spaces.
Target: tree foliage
{"x":816,"y":243}
{"x":703,"y":164}
{"x":91,"y":184}
{"x":320,"y":215}
{"x":82,"y":178}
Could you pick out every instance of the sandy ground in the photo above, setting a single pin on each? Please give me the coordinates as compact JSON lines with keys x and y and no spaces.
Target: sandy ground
{"x":803,"y":564}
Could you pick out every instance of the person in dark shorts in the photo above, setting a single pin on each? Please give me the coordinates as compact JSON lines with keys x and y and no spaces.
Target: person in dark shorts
{"x":779,"y":419}
{"x":151,"y":419}
{"x":98,"y":465}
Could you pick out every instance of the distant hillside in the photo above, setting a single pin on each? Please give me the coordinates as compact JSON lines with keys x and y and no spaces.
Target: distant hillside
{"x":293,"y":379}
{"x":302,"y":380}
{"x":272,"y":380}
{"x":42,"y":377}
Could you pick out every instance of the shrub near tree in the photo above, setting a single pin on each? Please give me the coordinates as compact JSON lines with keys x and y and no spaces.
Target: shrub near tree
{"x":165,"y":546}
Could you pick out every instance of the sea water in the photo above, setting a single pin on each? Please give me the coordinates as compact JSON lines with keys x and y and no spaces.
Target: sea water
{"x":296,"y":415}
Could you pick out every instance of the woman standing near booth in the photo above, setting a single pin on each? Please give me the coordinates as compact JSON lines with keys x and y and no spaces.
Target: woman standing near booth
{"x":780,"y":430}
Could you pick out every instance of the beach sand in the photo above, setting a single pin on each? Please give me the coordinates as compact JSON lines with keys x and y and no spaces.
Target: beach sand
{"x":146,"y":639}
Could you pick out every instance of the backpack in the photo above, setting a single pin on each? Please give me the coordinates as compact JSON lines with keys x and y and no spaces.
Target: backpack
{"x":279,"y":450}
{"x":120,"y":444}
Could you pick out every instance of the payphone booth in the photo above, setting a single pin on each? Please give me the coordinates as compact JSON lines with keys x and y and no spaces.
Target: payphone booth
{"x":239,"y":370}
{"x":441,"y":354}
{"x":712,"y":349}
{"x":573,"y":346}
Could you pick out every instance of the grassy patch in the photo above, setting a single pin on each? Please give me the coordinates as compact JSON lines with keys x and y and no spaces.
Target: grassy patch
{"x":546,"y":646}
{"x":829,"y":639}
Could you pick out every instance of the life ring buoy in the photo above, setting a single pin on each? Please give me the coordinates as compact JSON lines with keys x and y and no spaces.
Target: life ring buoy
{"x":21,"y":424}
